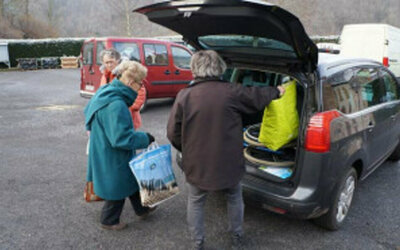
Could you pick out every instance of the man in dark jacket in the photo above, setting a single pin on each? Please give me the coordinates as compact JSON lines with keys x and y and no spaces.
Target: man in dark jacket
{"x":205,"y":124}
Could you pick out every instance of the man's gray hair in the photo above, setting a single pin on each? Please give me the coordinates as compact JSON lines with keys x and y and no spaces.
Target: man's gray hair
{"x":113,"y":53}
{"x":207,"y":63}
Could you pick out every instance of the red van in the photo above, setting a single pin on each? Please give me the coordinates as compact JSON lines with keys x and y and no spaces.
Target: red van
{"x":168,"y":64}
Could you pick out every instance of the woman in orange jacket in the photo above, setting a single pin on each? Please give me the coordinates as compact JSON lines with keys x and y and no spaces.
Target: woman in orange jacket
{"x":111,"y":58}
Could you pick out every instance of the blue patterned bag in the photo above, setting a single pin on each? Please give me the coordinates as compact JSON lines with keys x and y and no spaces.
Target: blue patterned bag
{"x":153,"y":171}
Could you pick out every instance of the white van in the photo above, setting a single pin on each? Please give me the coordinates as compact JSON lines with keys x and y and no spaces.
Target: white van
{"x":379,"y":42}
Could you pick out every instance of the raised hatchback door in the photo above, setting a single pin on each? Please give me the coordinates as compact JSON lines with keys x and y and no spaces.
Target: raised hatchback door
{"x":242,"y":31}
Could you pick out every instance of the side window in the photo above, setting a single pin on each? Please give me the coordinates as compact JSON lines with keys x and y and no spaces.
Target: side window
{"x":128,"y":50}
{"x":100,"y":48}
{"x":181,"y":57}
{"x":391,"y":86}
{"x":88,"y":54}
{"x":373,"y":90}
{"x":341,"y":92}
{"x":155,"y":54}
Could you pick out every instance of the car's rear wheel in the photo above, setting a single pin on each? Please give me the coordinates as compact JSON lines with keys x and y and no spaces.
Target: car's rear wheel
{"x":395,"y":156}
{"x":340,"y":203}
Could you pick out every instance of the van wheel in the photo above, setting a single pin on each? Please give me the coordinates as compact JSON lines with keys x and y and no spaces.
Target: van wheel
{"x":341,"y":202}
{"x":144,"y":106}
{"x":395,"y":156}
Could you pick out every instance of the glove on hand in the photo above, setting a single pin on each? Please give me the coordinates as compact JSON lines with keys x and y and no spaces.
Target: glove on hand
{"x":151,"y":138}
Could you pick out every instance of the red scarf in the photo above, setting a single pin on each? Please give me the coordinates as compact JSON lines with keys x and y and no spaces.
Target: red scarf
{"x":109,"y":76}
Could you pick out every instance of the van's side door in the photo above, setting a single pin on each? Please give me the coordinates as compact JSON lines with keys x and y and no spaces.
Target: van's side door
{"x":159,"y":75}
{"x":87,"y":67}
{"x":100,"y":46}
{"x":181,"y":67}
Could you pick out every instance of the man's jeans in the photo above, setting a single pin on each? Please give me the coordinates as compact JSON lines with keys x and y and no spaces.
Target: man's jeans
{"x":195,"y":211}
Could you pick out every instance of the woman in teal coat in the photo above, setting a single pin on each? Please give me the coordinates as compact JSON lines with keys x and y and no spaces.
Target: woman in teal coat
{"x":113,"y":142}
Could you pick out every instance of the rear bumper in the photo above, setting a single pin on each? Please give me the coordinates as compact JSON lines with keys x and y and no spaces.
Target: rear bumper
{"x":286,"y":205}
{"x":86,"y":94}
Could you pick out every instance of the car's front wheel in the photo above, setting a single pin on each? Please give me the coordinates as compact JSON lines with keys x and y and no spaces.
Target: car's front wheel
{"x":340,"y":202}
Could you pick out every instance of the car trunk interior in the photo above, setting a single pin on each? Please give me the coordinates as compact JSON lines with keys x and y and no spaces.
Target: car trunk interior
{"x":276,"y":165}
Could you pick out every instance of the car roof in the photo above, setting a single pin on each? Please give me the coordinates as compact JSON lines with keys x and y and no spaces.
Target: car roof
{"x":329,"y":64}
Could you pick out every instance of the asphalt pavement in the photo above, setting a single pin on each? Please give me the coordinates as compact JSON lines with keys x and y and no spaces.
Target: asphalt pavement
{"x":42,"y":176}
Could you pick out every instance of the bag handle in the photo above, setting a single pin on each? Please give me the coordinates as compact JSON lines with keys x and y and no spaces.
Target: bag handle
{"x":152,"y":146}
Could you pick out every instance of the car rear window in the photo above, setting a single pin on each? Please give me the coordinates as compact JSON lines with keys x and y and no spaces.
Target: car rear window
{"x":245,"y":41}
{"x":128,"y":50}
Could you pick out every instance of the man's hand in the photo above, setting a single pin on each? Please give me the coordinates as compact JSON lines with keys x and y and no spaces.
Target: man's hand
{"x":281,"y":90}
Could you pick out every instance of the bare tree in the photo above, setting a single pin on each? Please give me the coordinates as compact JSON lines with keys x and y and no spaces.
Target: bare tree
{"x":1,"y":8}
{"x":123,"y":9}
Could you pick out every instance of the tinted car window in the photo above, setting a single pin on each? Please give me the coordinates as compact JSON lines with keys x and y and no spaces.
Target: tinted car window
{"x":181,"y":57}
{"x":100,"y":48}
{"x":391,"y":86}
{"x":155,"y":54}
{"x":342,"y":92}
{"x":88,"y":54}
{"x":128,"y":50}
{"x":373,"y":91}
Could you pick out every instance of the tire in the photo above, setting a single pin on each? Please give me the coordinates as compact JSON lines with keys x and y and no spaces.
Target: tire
{"x":395,"y":156}
{"x":341,"y":202}
{"x":144,"y":106}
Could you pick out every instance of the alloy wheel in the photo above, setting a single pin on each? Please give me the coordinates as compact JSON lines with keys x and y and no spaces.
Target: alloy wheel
{"x":345,"y":198}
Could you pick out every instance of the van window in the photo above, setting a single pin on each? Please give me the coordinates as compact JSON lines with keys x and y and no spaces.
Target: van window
{"x":155,"y":54}
{"x":88,"y":54}
{"x":391,"y":86}
{"x":128,"y":50}
{"x":373,"y":91}
{"x":181,"y":57}
{"x":100,"y":47}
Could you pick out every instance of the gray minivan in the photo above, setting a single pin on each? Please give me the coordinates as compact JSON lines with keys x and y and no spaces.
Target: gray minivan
{"x":348,"y":109}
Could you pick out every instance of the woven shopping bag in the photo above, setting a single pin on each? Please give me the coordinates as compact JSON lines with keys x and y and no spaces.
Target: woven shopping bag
{"x":155,"y":177}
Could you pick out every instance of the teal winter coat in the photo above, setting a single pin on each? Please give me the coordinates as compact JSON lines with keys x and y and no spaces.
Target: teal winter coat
{"x":113,"y":141}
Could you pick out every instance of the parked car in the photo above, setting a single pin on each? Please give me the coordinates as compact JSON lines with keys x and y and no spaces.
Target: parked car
{"x":348,"y":108}
{"x":167,"y":64}
{"x":380,"y":42}
{"x":332,"y":48}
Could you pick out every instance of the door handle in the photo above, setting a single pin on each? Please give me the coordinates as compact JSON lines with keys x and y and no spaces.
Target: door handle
{"x":177,"y":72}
{"x":370,"y":126}
{"x":167,"y":72}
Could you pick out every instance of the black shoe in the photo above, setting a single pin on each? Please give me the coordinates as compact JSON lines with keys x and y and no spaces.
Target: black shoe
{"x":198,"y":245}
{"x":237,"y":242}
{"x":148,"y":211}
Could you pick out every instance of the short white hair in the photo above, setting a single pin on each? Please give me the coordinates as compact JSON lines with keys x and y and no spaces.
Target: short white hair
{"x":207,"y":63}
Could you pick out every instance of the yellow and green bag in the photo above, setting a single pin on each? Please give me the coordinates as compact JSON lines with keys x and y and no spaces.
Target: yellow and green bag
{"x":281,"y":120}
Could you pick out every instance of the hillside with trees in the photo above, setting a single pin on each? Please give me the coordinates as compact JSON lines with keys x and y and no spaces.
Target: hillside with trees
{"x":87,"y":18}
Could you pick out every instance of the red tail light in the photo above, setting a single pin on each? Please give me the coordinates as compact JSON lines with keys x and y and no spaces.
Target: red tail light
{"x":318,"y":137}
{"x":385,"y":61}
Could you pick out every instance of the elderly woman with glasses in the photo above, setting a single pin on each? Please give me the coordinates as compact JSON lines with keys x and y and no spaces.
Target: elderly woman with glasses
{"x":113,"y":141}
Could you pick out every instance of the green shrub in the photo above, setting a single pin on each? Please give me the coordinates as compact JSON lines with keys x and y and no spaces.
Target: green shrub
{"x":43,"y":48}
